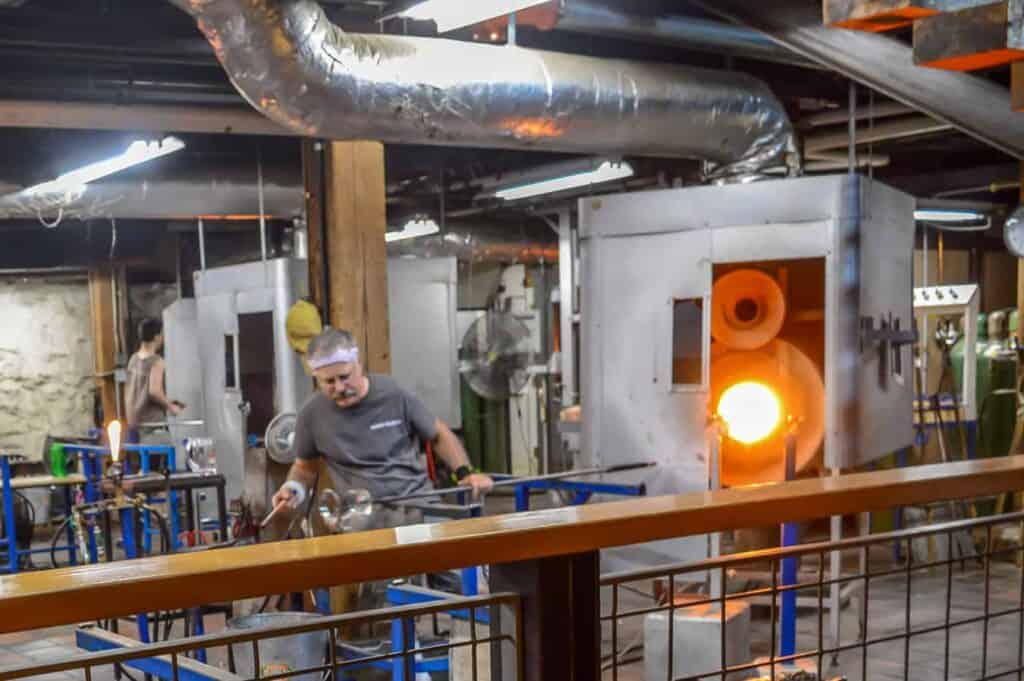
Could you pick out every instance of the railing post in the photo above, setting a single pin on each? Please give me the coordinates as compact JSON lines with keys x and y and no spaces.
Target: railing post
{"x":561,"y":608}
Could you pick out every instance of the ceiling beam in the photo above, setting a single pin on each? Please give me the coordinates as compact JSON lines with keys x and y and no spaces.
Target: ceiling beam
{"x":875,"y":16}
{"x":1017,"y":86}
{"x":971,"y":39}
{"x":16,"y":113}
{"x":976,"y":106}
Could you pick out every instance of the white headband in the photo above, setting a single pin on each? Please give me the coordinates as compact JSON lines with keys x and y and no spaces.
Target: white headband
{"x":340,"y":356}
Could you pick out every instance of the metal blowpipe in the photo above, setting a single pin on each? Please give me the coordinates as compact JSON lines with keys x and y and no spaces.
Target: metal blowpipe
{"x":518,"y":481}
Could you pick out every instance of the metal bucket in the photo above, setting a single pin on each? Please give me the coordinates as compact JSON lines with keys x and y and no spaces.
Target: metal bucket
{"x":284,"y":653}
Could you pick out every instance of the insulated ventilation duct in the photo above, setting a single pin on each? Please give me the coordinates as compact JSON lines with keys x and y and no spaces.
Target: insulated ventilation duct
{"x":294,"y":65}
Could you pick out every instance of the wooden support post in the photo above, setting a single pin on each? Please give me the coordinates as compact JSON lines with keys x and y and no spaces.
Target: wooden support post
{"x":1020,"y":279}
{"x":971,"y":39}
{"x":875,"y":16}
{"x":313,"y":181}
{"x":101,"y":309}
{"x":561,"y":611}
{"x":351,"y":191}
{"x":1017,"y":85}
{"x":356,"y":250}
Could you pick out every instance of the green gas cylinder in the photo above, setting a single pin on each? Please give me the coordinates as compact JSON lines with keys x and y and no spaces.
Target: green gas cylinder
{"x":996,"y":366}
{"x":58,"y":460}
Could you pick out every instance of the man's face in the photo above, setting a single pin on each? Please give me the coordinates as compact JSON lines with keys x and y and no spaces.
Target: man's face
{"x":158,"y":342}
{"x":342,"y":383}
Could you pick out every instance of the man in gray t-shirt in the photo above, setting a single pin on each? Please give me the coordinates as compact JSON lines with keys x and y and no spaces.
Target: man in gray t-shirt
{"x":368,"y":428}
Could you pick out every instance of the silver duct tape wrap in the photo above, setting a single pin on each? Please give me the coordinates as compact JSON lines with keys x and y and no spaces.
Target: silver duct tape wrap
{"x":294,"y":65}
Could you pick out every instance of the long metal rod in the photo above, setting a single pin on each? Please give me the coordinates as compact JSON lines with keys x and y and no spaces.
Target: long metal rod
{"x":518,"y":481}
{"x":976,"y":106}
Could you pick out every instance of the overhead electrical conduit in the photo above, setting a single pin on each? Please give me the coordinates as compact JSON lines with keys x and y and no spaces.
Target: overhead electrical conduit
{"x":291,"y":63}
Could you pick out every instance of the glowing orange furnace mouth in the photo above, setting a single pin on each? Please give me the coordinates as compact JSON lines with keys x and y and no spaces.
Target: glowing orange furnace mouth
{"x":751,"y":411}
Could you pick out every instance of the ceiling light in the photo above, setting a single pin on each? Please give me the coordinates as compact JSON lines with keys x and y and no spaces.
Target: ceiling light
{"x":412,"y":229}
{"x":139,"y":151}
{"x":600,"y":171}
{"x":452,"y":14}
{"x":949,"y":216}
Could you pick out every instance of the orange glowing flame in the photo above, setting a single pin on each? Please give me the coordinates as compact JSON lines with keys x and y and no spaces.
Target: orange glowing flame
{"x":750,"y":410}
{"x":114,"y":439}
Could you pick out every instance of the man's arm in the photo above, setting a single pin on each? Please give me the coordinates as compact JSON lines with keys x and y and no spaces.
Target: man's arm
{"x":449,"y":448}
{"x":156,"y":388}
{"x":302,"y":472}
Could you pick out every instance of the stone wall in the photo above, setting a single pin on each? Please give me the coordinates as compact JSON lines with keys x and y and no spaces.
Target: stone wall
{"x":46,"y":362}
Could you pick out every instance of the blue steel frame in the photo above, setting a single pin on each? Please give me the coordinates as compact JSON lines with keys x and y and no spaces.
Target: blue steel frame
{"x":401,"y":595}
{"x":93,"y":471}
{"x":9,"y":543}
{"x":160,"y":668}
{"x":402,"y":637}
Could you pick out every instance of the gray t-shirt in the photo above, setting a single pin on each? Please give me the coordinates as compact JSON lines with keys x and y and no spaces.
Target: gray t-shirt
{"x":373,"y":445}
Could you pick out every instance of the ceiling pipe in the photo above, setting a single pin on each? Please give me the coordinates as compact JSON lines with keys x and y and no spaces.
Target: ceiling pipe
{"x":214,"y":194}
{"x":975,"y":106}
{"x":882,"y":132}
{"x":484,"y":242}
{"x":842,"y":116}
{"x":302,"y":71}
{"x":690,"y":32}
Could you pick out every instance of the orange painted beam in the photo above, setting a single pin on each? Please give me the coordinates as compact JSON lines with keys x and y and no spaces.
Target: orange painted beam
{"x":976,"y":62}
{"x":874,"y":16}
{"x":90,"y":592}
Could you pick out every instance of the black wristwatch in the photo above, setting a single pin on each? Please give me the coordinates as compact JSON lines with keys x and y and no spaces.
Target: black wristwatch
{"x":461,"y":472}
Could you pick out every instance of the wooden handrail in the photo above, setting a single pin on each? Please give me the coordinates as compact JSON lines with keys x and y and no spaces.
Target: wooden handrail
{"x":90,"y":592}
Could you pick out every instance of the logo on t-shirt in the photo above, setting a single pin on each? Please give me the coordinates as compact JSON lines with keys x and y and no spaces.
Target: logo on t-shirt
{"x":386,"y":424}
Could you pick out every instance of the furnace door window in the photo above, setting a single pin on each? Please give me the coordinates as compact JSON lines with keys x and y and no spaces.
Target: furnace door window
{"x":688,"y":342}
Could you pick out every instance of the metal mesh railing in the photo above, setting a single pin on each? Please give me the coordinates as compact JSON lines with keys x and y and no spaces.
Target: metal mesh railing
{"x":489,"y":635}
{"x":943,"y":601}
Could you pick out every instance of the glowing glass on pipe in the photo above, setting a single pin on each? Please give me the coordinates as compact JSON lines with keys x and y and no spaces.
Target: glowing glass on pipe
{"x":751,"y":411}
{"x":114,"y":439}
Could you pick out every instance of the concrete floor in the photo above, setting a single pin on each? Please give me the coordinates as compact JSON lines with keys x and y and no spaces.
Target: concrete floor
{"x":886,"y":617}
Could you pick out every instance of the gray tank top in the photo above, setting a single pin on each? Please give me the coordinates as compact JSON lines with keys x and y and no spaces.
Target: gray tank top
{"x":140,"y":408}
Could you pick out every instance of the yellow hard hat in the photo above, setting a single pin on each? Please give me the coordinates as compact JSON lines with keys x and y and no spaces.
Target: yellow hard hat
{"x":302,"y":324}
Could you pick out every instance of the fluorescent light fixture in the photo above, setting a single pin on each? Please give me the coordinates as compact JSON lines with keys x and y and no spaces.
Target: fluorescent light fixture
{"x":949,"y":216}
{"x":605,"y":171}
{"x":139,"y":151}
{"x":412,"y":229}
{"x":452,"y":14}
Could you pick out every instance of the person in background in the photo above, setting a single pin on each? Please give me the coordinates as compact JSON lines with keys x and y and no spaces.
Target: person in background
{"x":146,"y":401}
